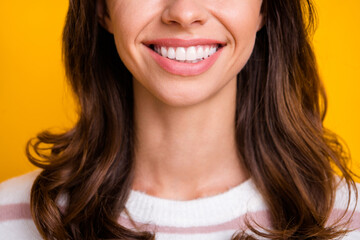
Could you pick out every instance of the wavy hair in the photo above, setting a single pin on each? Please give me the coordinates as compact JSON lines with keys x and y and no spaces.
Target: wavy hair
{"x":280,"y":136}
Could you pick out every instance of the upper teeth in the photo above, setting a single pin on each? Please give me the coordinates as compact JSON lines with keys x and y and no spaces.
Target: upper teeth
{"x":193,"y":53}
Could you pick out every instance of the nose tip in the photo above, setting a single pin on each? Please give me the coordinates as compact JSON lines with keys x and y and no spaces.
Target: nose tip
{"x":185,"y":13}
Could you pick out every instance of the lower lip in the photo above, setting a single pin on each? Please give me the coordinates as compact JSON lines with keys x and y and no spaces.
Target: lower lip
{"x":182,"y":68}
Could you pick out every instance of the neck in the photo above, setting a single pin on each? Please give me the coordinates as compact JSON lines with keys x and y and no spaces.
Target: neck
{"x":186,"y":152}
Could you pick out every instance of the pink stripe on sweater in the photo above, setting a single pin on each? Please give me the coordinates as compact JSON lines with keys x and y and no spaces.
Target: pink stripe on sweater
{"x":15,"y":212}
{"x":22,"y":211}
{"x":338,"y":214}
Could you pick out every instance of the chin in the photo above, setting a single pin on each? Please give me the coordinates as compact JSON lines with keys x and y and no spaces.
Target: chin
{"x":183,"y":99}
{"x":179,"y":92}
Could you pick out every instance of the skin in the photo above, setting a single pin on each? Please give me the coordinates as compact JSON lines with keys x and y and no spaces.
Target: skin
{"x":185,"y":126}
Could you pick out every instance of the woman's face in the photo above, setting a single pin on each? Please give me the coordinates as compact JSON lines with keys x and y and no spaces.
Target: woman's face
{"x":184,"y":51}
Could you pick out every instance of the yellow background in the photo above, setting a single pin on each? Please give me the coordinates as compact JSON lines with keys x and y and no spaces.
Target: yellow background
{"x":34,"y":96}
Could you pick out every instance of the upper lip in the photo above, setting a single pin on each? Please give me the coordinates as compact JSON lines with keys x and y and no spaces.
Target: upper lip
{"x":176,"y":42}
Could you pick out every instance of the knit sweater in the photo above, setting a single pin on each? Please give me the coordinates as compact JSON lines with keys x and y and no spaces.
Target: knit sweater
{"x":212,"y":218}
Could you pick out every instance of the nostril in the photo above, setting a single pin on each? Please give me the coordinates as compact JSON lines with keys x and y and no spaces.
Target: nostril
{"x":185,"y":13}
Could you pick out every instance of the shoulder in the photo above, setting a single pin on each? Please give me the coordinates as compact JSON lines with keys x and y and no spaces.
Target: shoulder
{"x":347,"y":196}
{"x":17,"y":189}
{"x":347,"y":205}
{"x":15,"y":216}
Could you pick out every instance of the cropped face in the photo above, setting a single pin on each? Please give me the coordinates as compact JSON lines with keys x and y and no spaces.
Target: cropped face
{"x":184,"y":51}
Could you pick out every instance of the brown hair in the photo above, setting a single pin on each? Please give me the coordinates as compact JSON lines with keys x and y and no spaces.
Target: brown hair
{"x":281,"y":104}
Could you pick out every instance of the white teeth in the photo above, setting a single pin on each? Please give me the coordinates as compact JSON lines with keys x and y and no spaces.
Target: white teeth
{"x":180,"y":54}
{"x":200,"y":53}
{"x":206,"y":52}
{"x":163,"y":52}
{"x":156,"y":49}
{"x":191,"y":54}
{"x":171,"y":53}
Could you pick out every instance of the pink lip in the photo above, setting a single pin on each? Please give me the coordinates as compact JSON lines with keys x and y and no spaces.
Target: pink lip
{"x":182,"y":68}
{"x":175,"y":42}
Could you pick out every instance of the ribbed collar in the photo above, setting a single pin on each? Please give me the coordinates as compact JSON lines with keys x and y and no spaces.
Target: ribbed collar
{"x":198,"y":212}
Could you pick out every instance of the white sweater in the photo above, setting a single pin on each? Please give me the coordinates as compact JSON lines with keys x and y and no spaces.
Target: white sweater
{"x":212,"y":218}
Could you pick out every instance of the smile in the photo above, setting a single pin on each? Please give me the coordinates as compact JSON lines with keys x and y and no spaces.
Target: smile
{"x":185,"y":57}
{"x":191,"y":54}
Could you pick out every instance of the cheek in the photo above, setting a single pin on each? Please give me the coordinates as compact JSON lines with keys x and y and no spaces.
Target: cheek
{"x":244,"y":34}
{"x":125,"y":27}
{"x":129,"y":19}
{"x":241,"y":18}
{"x":125,"y":30}
{"x":242,"y":22}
